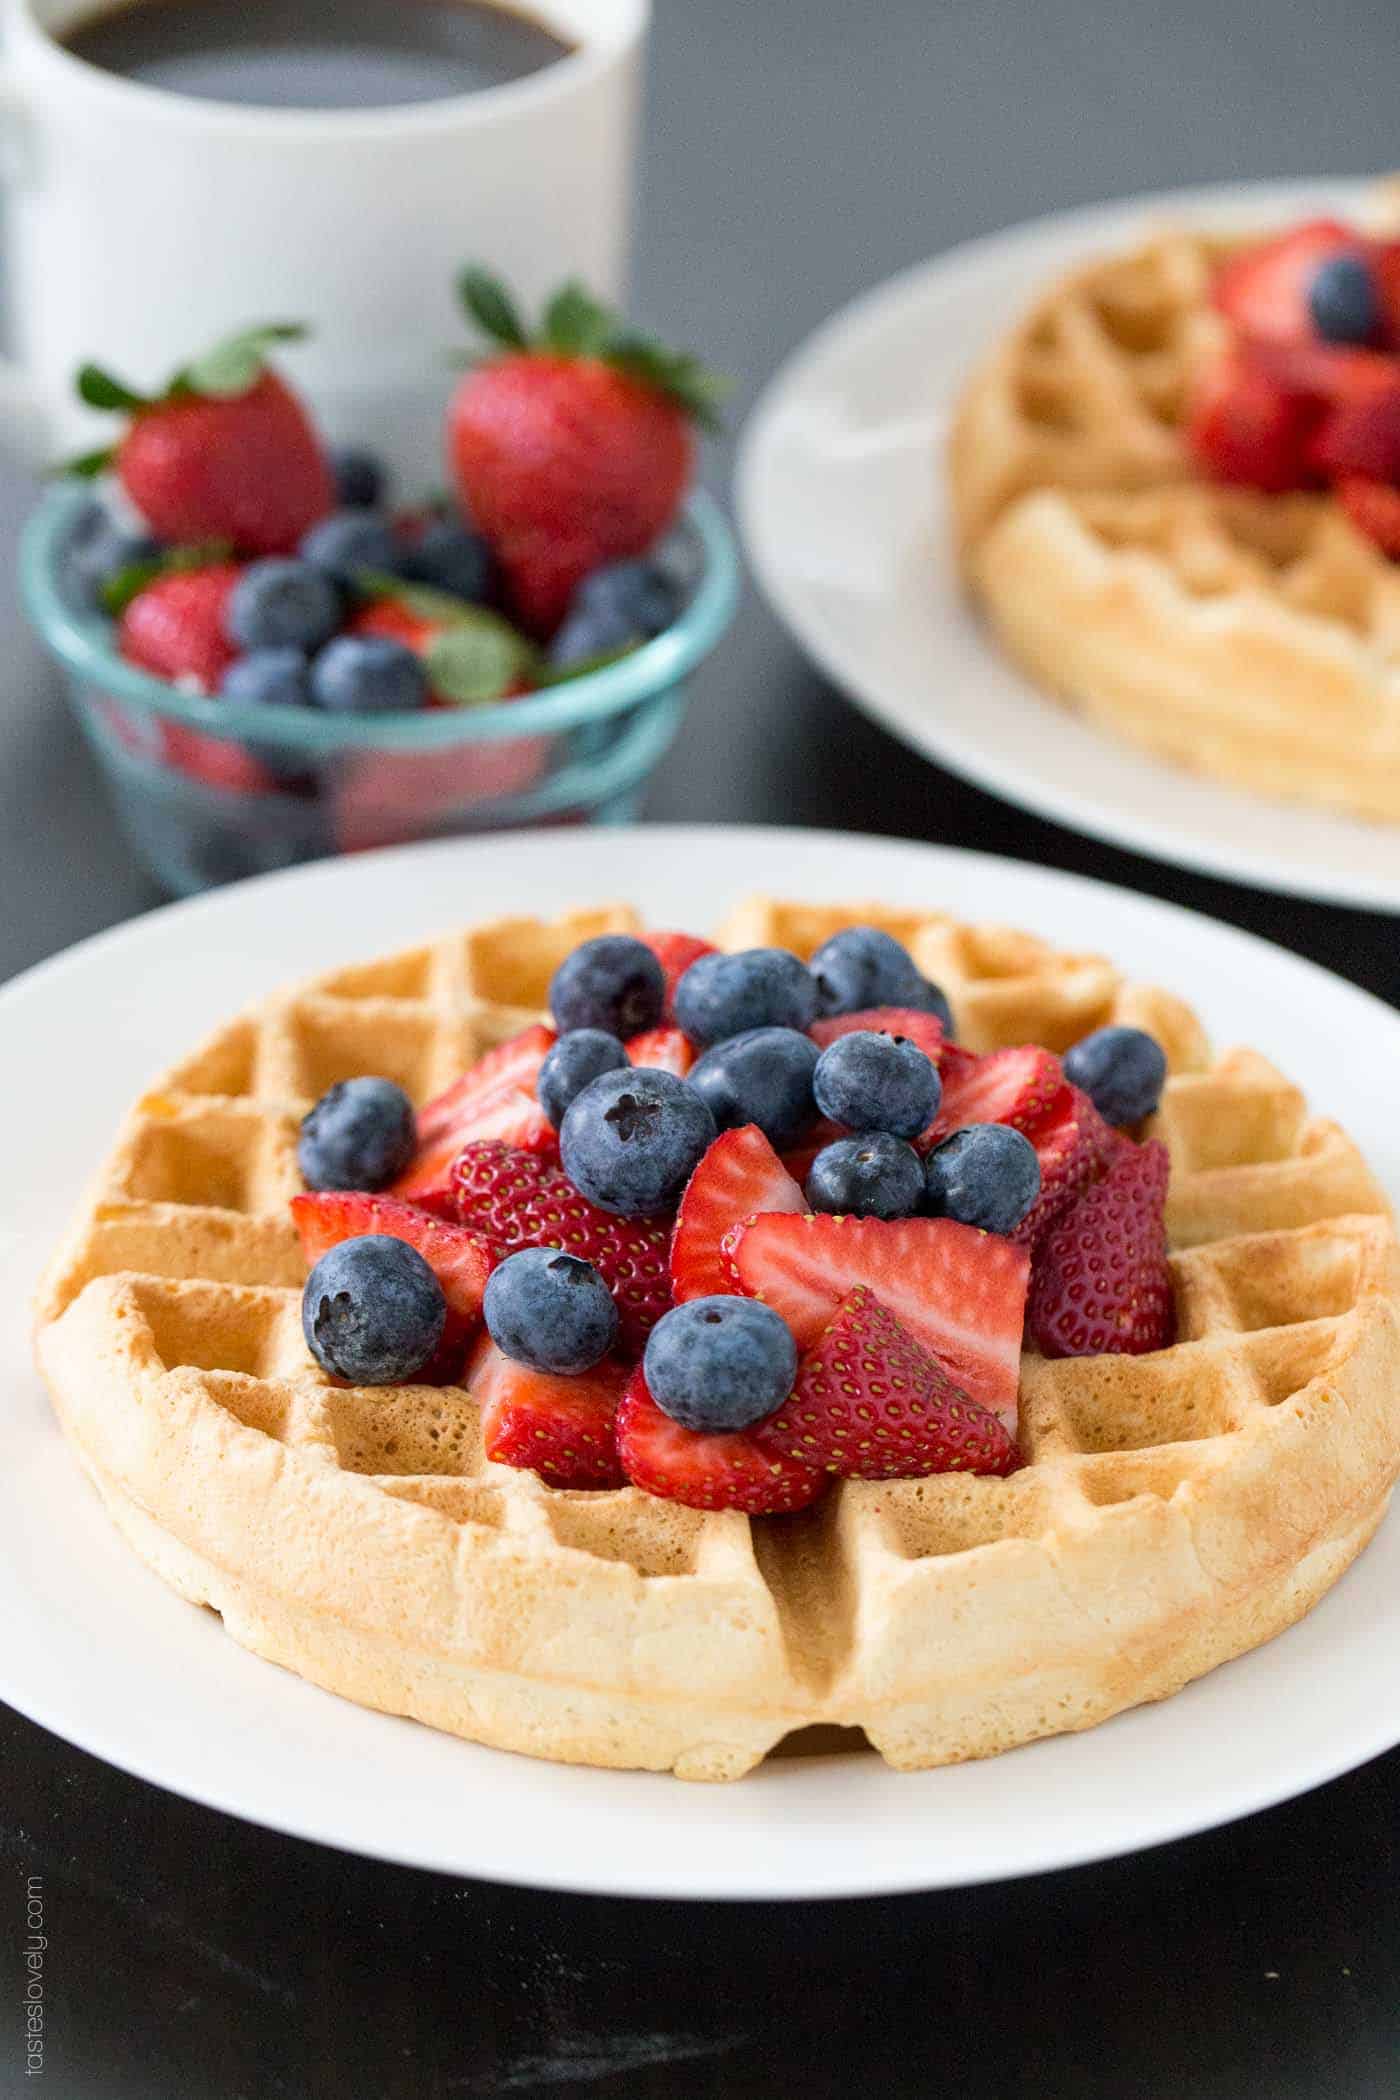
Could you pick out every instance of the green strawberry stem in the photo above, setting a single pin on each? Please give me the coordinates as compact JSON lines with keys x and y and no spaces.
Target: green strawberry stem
{"x":222,"y":373}
{"x":128,"y":583}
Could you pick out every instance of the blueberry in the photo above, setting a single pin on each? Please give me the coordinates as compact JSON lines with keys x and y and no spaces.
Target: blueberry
{"x":359,"y":478}
{"x":99,"y":547}
{"x":360,"y":1135}
{"x":877,"y":1082}
{"x":366,"y":674}
{"x":720,"y":1364}
{"x":631,"y":1140}
{"x":763,"y":1076}
{"x":986,"y":1175}
{"x":282,"y":604}
{"x":585,"y":636}
{"x":1343,"y":300}
{"x":862,"y":967}
{"x":614,"y":983}
{"x":1122,"y":1070}
{"x":614,"y":609}
{"x":269,"y":678}
{"x":348,"y":542}
{"x":550,"y":1311}
{"x":449,"y":556}
{"x":724,"y":995}
{"x":872,"y":1176}
{"x":575,"y":1061}
{"x":372,"y":1311}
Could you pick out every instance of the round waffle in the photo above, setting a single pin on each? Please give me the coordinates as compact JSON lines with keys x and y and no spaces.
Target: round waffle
{"x":1175,"y":1510}
{"x":1252,"y":637}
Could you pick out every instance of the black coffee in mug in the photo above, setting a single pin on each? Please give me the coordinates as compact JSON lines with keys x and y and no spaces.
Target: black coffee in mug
{"x":316,"y":54}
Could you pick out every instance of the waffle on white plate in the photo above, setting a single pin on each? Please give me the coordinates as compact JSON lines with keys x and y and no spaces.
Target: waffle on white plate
{"x":1253,"y":637}
{"x":1175,"y":1508}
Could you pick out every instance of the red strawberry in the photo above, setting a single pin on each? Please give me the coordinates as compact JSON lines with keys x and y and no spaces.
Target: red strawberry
{"x":1246,"y":426}
{"x":226,"y":452}
{"x":1264,"y":289}
{"x":460,"y":1260}
{"x":1385,"y":262}
{"x":494,"y":1099}
{"x":871,"y":1403}
{"x":1102,"y":1285}
{"x":518,"y":1200}
{"x":740,"y":1175}
{"x":926,"y":1030}
{"x":960,"y":1292}
{"x":561,"y":1428}
{"x":1018,"y":1087}
{"x":706,"y":1472}
{"x":1361,"y":433}
{"x":1374,"y":508}
{"x":571,"y":449}
{"x":675,"y":952}
{"x":217,"y":761}
{"x":1073,"y":1143}
{"x":174,"y":627}
{"x":662,"y":1050}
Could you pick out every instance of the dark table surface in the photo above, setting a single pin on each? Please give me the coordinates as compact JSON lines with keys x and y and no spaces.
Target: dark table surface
{"x":797,"y":151}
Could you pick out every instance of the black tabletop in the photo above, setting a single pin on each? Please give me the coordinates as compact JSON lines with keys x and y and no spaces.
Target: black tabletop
{"x":797,"y":150}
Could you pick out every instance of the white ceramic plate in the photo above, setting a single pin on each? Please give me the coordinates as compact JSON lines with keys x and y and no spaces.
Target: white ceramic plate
{"x":99,"y":1650}
{"x":841,"y":503}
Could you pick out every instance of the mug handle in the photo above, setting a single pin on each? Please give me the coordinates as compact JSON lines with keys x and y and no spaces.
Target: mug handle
{"x":24,"y":424}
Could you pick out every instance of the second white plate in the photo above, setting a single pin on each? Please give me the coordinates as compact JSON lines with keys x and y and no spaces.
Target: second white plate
{"x":841,"y":503}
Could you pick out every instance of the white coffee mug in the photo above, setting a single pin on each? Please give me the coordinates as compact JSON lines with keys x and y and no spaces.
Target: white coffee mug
{"x":144,"y":224}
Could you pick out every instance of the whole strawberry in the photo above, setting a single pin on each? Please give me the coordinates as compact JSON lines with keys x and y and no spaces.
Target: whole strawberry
{"x":1101,"y":1284}
{"x":226,"y":451}
{"x":173,"y":624}
{"x":573,"y":447}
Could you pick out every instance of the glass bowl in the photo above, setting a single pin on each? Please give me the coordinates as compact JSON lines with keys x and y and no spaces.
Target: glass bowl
{"x":208,"y":790}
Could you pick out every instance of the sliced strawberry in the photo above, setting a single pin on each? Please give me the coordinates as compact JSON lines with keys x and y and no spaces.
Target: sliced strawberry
{"x":960,"y":1292}
{"x":517,"y":1199}
{"x":1264,"y":289}
{"x":675,"y":952}
{"x":871,"y":1403}
{"x":1374,"y":508}
{"x":1018,"y":1087}
{"x":662,"y":1050}
{"x":706,"y":1472}
{"x":460,"y":1260}
{"x":924,"y":1029}
{"x":1245,"y":425}
{"x":740,"y":1175}
{"x":1385,"y":262}
{"x":1072,"y":1143}
{"x":1361,"y":433}
{"x":561,"y":1428}
{"x":494,"y":1098}
{"x":1102,"y":1285}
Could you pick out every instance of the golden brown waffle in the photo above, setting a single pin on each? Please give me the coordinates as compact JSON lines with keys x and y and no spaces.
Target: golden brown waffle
{"x":1254,"y":638}
{"x":1176,"y":1509}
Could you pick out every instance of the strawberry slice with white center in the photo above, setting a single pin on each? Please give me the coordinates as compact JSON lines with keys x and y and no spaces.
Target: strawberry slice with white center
{"x":739,"y":1175}
{"x":1018,"y":1087}
{"x":925,"y":1030}
{"x":675,"y":952}
{"x":960,"y":1292}
{"x":728,"y":1471}
{"x":662,"y":1050}
{"x":494,"y":1099}
{"x":561,"y":1428}
{"x":1102,"y":1282}
{"x":1073,"y":1144}
{"x":460,"y":1260}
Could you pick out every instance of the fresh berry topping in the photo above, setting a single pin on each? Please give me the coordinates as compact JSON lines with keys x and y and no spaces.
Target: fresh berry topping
{"x":877,"y":1082}
{"x":283,"y":603}
{"x":706,"y":1472}
{"x":871,"y":1403}
{"x":1344,"y":300}
{"x":871,"y":1176}
{"x":1360,"y":434}
{"x":460,"y":1260}
{"x":958,"y":1291}
{"x":1072,"y":1144}
{"x":368,"y":674}
{"x":360,"y":1135}
{"x":550,"y":1310}
{"x":1374,"y":508}
{"x":1246,"y":425}
{"x":518,"y":1200}
{"x":174,"y":627}
{"x":662,"y":1050}
{"x":448,"y":556}
{"x":614,"y":983}
{"x":675,"y":952}
{"x":495,"y":1099}
{"x":763,"y":1076}
{"x":1122,"y":1070}
{"x":1016,"y":1086}
{"x":739,"y":1175}
{"x":269,"y":678}
{"x":726,"y":995}
{"x":574,"y":1062}
{"x":349,"y":544}
{"x":986,"y":1174}
{"x":560,"y":1428}
{"x":719,"y":1364}
{"x":631,"y":1140}
{"x":99,"y":551}
{"x":372,"y":1312}
{"x":800,"y":1157}
{"x":614,"y":610}
{"x":862,"y":966}
{"x":1264,"y":289}
{"x":359,"y":478}
{"x":925,"y":1030}
{"x":1102,"y":1285}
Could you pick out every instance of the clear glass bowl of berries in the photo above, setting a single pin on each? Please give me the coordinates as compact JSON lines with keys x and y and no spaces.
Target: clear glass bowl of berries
{"x":273,"y":663}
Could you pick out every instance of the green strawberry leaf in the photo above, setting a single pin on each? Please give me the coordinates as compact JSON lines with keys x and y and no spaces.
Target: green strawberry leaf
{"x":100,"y":390}
{"x":477,"y":659}
{"x":575,"y":324}
{"x":86,"y":466}
{"x":233,"y":366}
{"x":128,"y":583}
{"x":491,"y":307}
{"x":675,"y":373}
